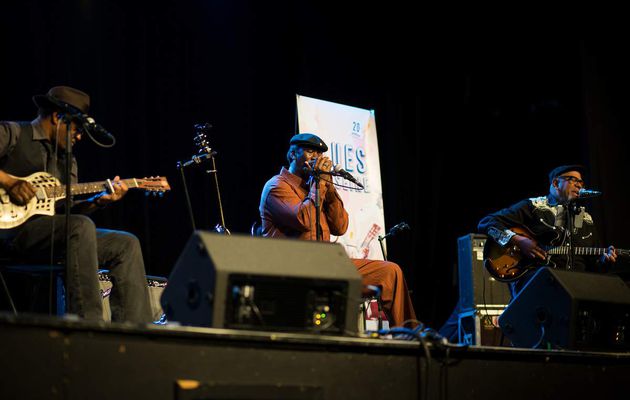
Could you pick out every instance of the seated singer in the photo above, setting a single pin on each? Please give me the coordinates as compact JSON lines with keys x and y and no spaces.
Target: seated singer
{"x":287,"y":209}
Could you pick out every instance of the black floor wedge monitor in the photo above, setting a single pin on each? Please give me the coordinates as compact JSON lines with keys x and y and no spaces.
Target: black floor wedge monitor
{"x":245,"y":282}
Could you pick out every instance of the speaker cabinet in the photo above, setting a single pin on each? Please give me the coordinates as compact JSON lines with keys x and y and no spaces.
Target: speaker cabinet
{"x":477,"y":289}
{"x":156,"y":285}
{"x":246,"y":282}
{"x":569,"y":310}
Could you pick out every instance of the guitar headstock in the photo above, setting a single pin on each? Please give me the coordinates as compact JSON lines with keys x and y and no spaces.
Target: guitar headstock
{"x":201,"y":138}
{"x":154,"y":185}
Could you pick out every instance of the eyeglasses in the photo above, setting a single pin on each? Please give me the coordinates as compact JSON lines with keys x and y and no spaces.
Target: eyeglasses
{"x":572,"y":179}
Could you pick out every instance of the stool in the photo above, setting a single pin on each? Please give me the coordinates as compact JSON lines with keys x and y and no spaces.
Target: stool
{"x":372,"y":317}
{"x":36,"y":271}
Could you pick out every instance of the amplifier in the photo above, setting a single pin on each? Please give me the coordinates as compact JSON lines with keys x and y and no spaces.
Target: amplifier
{"x":477,"y":289}
{"x":156,"y":286}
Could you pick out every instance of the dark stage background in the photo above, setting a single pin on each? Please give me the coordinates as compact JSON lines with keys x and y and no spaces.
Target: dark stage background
{"x":466,"y":124}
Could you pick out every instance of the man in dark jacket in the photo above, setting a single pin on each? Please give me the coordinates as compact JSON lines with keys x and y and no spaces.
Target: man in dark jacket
{"x":546,"y":219}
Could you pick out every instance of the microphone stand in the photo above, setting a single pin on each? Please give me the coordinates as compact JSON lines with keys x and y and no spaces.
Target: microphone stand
{"x":318,"y":226}
{"x":194,"y":160}
{"x":219,"y":228}
{"x":571,"y":206}
{"x":180,"y":167}
{"x":68,"y":201}
{"x":391,"y":232}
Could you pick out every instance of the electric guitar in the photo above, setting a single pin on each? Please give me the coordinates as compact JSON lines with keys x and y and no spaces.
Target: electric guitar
{"x":48,"y":190}
{"x":507,"y":264}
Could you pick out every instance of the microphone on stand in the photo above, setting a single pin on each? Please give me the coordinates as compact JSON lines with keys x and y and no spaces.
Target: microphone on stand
{"x":196,"y":159}
{"x":397,"y":228}
{"x":338,"y":171}
{"x":91,"y":127}
{"x":586,"y":193}
{"x":88,"y":125}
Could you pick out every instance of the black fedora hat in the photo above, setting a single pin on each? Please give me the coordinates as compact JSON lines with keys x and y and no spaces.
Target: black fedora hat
{"x":64,"y":98}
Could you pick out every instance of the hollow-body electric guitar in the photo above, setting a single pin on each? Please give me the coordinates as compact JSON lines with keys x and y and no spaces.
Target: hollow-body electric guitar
{"x":507,"y":264}
{"x":48,"y":190}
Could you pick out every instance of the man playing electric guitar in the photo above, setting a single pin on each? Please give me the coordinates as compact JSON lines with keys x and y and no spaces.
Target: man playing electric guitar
{"x":543,"y":225}
{"x":36,"y":146}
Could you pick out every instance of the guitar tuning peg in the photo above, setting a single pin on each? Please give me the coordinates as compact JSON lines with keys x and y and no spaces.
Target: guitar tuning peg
{"x":146,"y":194}
{"x":161,"y":194}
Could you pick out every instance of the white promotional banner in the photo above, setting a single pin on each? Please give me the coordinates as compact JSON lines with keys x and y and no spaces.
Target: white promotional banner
{"x":350,"y":134}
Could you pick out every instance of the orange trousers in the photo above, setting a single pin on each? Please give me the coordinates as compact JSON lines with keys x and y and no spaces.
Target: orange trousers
{"x":394,"y":293}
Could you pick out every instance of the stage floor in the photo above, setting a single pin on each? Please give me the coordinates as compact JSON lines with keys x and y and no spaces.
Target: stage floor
{"x":52,"y":358}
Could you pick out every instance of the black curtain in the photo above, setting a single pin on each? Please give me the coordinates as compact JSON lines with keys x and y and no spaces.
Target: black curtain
{"x":466,"y":125}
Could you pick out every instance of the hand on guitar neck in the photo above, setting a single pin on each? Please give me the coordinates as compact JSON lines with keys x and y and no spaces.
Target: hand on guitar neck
{"x":119,"y":187}
{"x":610,"y":256}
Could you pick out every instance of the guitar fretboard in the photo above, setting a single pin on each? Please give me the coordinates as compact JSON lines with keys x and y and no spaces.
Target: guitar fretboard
{"x":88,"y":187}
{"x":583,"y":251}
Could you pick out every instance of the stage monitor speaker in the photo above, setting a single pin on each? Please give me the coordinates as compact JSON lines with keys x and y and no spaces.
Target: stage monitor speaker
{"x":477,"y":289}
{"x":569,"y":310}
{"x":246,"y":282}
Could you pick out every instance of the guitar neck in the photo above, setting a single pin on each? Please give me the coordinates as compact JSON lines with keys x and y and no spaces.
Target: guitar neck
{"x":88,"y":187}
{"x":584,"y":251}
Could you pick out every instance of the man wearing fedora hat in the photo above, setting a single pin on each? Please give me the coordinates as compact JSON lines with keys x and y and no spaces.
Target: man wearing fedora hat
{"x":287,"y":209}
{"x":29,"y":147}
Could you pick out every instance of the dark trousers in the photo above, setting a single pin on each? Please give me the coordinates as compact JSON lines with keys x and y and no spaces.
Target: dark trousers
{"x":90,"y":249}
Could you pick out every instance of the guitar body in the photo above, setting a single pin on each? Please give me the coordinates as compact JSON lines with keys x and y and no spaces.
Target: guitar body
{"x":12,"y":215}
{"x":508,"y":264}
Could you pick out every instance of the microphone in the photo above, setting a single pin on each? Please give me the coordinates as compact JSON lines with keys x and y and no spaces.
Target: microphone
{"x":91,"y":127}
{"x":88,"y":126}
{"x":585,"y":193}
{"x":397,"y":228}
{"x":196,"y":159}
{"x":338,"y":171}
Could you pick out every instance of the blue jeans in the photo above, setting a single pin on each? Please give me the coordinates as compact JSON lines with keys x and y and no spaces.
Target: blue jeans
{"x":91,"y":248}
